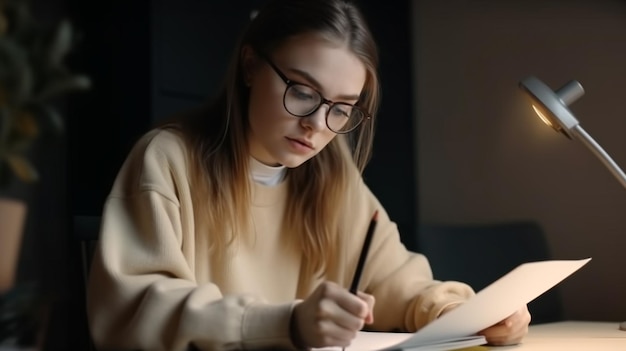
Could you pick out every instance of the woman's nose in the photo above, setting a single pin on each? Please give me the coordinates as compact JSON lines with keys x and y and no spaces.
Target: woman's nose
{"x":317,"y":120}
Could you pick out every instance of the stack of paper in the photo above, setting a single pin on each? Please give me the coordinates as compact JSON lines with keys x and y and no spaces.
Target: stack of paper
{"x":457,"y":328}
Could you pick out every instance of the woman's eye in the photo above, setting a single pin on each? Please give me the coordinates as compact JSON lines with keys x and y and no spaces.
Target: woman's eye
{"x":341,"y":111}
{"x":302,"y":93}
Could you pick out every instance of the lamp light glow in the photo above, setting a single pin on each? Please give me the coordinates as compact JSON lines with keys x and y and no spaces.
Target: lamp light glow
{"x":544,"y":119}
{"x":552,"y":108}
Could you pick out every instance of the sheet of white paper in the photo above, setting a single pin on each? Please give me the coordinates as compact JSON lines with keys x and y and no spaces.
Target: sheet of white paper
{"x":497,"y":301}
{"x":490,"y":305}
{"x":372,"y":341}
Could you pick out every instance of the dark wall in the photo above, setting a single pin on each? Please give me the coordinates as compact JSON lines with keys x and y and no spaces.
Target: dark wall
{"x":114,"y":50}
{"x":484,"y":155}
{"x":391,"y":174}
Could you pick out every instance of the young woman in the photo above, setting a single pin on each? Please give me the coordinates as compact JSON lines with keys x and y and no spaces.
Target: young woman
{"x":239,"y":226}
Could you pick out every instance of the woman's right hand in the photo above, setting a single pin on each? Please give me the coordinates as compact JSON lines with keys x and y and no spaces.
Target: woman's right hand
{"x":330,"y":316}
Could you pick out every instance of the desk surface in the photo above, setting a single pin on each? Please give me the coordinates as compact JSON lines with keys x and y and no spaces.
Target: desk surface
{"x":572,"y":336}
{"x":566,"y":336}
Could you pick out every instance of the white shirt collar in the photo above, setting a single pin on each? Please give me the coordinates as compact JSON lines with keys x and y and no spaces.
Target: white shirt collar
{"x":266,"y":175}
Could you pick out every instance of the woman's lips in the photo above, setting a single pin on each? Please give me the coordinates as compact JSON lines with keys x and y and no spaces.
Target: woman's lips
{"x":300,"y":146}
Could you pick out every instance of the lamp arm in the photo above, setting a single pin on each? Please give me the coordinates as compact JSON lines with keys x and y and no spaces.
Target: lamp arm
{"x":600,"y":153}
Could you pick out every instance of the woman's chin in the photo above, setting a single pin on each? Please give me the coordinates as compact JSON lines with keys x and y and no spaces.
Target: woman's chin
{"x":294,"y":162}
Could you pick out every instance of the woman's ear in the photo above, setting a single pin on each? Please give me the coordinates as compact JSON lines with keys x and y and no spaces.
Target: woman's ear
{"x":249,"y":63}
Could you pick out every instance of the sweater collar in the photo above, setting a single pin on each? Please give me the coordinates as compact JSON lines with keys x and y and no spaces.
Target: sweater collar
{"x":266,"y":175}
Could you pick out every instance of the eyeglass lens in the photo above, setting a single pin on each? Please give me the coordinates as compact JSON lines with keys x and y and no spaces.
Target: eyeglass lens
{"x":301,"y":100}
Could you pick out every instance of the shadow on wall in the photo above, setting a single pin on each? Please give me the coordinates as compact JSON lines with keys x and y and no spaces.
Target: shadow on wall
{"x":479,"y":254}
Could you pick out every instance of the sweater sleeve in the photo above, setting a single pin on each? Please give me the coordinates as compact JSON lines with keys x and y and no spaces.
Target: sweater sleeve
{"x":142,"y":292}
{"x":407,"y":295}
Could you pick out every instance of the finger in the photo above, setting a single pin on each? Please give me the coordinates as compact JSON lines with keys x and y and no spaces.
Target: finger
{"x":335,"y":303}
{"x":331,"y":334}
{"x":370,"y":301}
{"x":353,"y":304}
{"x":522,"y":315}
{"x":343,"y":318}
{"x":509,"y":331}
{"x":322,"y":322}
{"x":501,"y":339}
{"x":519,"y":319}
{"x":326,"y":328}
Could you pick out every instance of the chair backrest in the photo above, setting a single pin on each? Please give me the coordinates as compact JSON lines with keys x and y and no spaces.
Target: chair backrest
{"x":86,"y":232}
{"x":479,"y":254}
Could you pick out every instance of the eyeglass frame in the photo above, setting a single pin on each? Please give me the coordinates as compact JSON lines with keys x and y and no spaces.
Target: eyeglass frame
{"x":323,"y":100}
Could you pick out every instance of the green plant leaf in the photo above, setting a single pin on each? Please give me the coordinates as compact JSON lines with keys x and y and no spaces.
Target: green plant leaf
{"x":18,"y":146}
{"x":21,"y":19}
{"x":16,"y":76}
{"x":63,"y":85}
{"x":22,"y":168}
{"x":32,"y":74}
{"x":25,"y":125}
{"x":60,"y":43}
{"x":5,"y":125}
{"x":50,"y":118}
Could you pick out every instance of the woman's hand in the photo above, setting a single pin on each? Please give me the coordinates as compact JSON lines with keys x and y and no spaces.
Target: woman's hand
{"x":510,"y":331}
{"x":330,"y":316}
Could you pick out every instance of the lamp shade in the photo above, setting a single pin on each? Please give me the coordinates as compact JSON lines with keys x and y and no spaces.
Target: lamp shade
{"x":553,"y":108}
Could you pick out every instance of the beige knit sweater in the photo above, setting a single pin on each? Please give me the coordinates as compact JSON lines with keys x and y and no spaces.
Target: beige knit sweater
{"x":153,"y":287}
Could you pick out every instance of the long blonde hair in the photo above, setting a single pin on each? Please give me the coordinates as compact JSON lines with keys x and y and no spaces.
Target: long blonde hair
{"x":219,"y":154}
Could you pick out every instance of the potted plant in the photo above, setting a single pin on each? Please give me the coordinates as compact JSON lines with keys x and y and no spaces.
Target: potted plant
{"x":32,"y":79}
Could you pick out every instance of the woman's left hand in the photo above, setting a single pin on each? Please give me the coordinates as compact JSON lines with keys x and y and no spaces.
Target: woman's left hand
{"x":509,"y":331}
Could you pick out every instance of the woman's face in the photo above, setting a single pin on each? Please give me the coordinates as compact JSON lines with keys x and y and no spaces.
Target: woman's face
{"x":275,"y":136}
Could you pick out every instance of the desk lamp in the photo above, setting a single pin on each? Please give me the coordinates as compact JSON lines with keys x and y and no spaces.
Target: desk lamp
{"x":552,"y":108}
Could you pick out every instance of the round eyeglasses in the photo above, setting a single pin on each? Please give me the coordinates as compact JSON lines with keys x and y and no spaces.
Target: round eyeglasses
{"x":301,"y":100}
